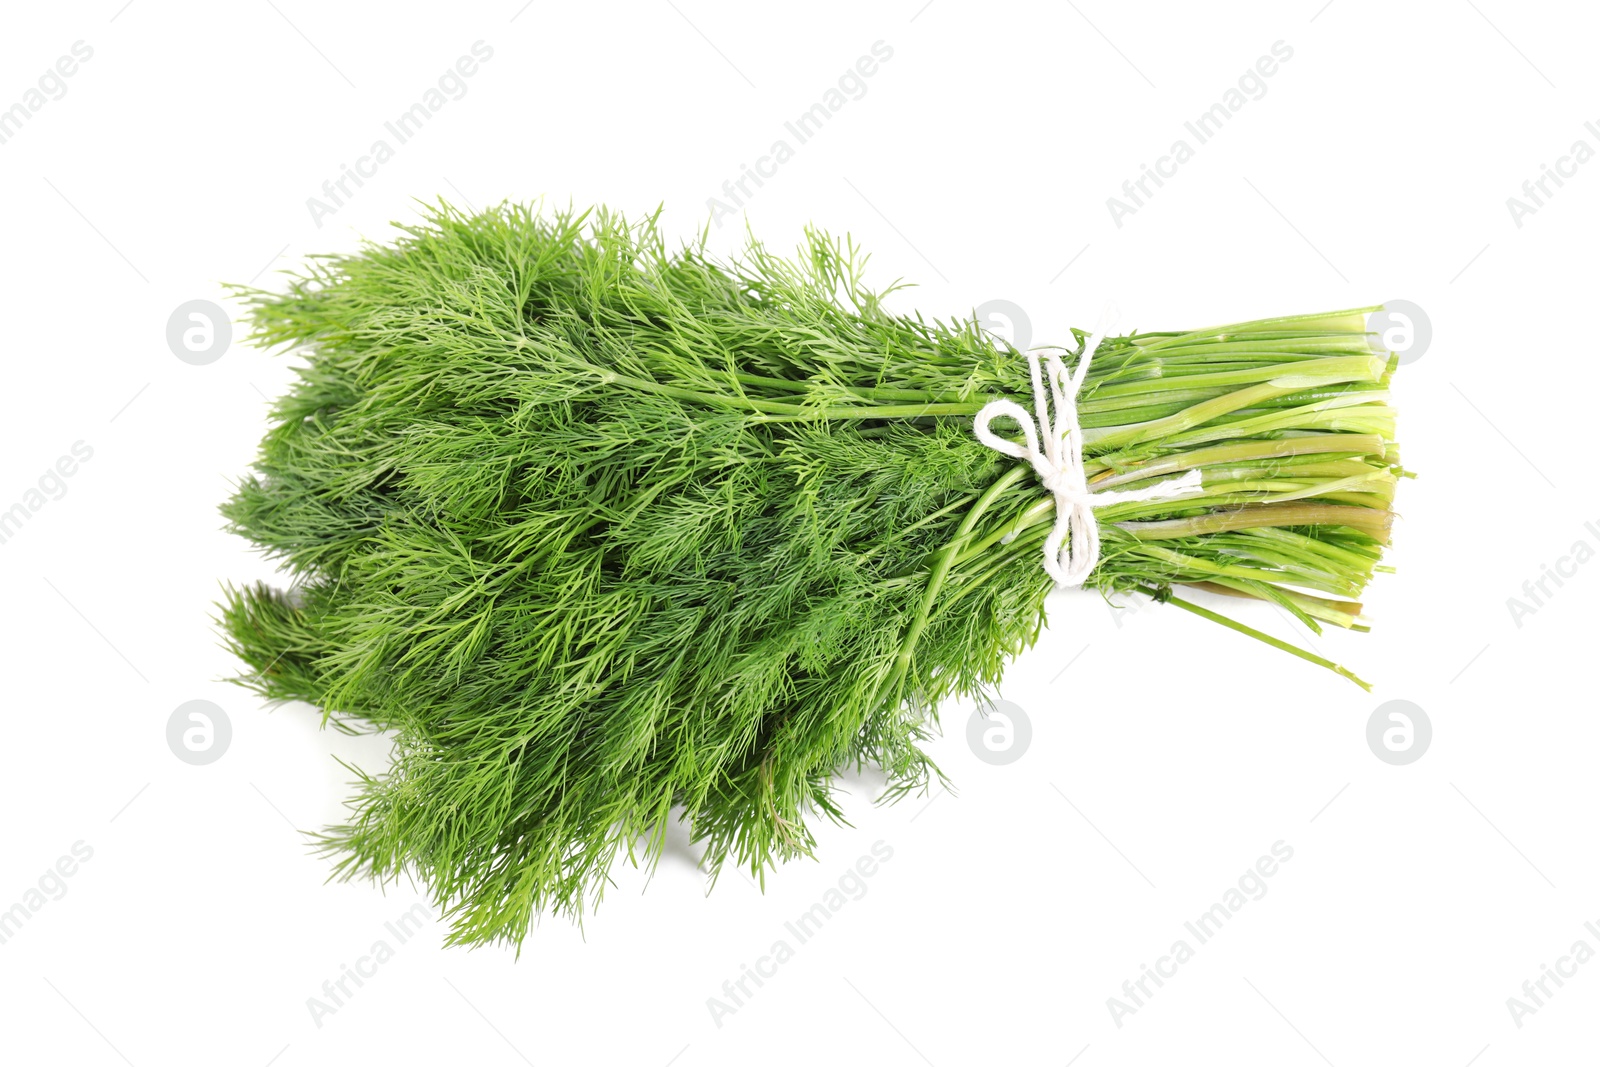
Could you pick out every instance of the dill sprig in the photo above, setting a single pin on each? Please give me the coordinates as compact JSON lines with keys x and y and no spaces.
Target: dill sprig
{"x":606,"y":535}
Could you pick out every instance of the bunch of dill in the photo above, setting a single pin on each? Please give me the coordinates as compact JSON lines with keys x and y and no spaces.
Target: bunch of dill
{"x":598,"y":531}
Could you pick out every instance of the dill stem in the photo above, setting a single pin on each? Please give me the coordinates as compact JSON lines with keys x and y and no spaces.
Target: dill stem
{"x":866,"y":392}
{"x":1109,"y":476}
{"x":941,"y":569}
{"x":778,"y":411}
{"x":1233,"y":624}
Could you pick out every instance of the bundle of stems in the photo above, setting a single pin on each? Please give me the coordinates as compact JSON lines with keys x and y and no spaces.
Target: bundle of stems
{"x":606,"y":535}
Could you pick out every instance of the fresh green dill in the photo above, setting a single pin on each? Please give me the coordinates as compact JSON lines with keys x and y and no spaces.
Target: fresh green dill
{"x":606,"y":535}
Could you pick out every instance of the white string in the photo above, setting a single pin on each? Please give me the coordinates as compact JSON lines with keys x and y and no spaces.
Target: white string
{"x":1073,"y":547}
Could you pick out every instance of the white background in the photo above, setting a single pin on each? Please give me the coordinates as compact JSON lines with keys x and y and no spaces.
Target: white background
{"x":1167,"y":755}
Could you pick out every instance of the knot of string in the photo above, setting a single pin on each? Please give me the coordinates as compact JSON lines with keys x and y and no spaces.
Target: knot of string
{"x":1053,"y":445}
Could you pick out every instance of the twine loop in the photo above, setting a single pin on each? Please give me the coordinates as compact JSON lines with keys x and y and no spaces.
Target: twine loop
{"x":1053,"y":445}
